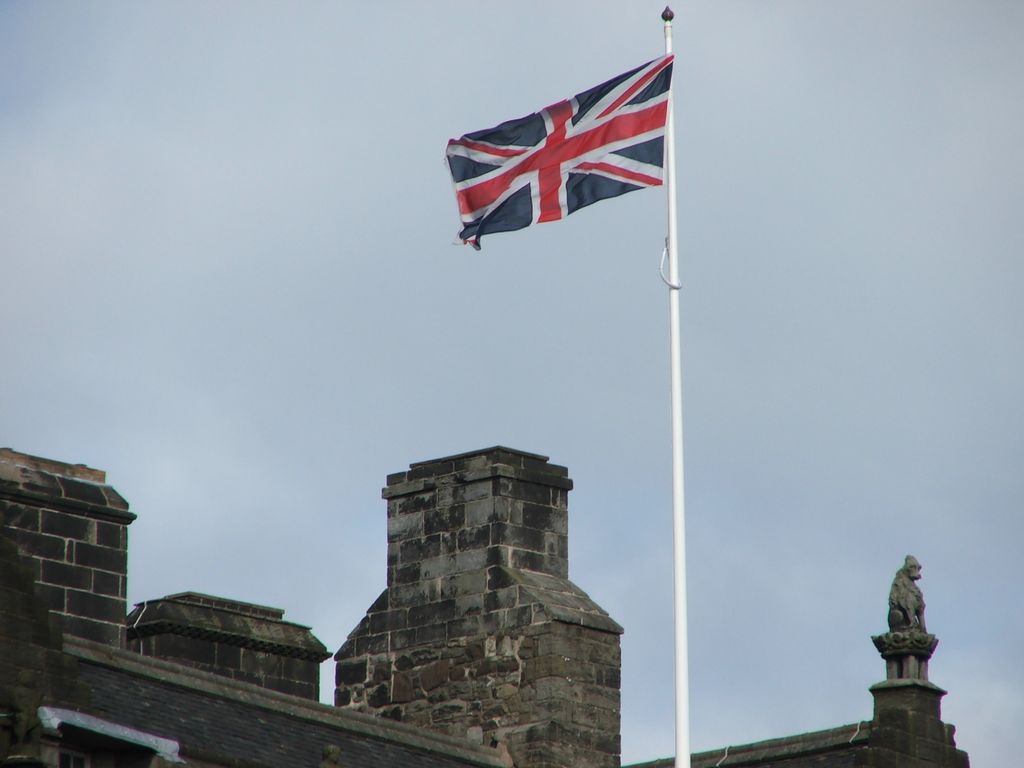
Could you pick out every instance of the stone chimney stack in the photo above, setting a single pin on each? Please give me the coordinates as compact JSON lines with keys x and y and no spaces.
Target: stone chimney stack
{"x":74,"y":528}
{"x":479,"y":633}
{"x":243,"y":641}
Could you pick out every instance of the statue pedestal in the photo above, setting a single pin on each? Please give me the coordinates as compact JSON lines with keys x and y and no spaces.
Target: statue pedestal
{"x":906,"y":654}
{"x":917,"y":696}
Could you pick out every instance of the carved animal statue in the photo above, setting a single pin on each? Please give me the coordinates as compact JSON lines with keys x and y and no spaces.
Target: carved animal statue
{"x":906,"y":602}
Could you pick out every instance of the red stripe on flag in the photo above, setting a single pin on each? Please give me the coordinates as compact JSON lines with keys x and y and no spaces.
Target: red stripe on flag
{"x":488,"y":148}
{"x":631,"y":91}
{"x":615,"y":170}
{"x":549,"y":180}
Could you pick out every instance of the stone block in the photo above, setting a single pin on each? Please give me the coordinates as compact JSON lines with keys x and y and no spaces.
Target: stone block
{"x":929,"y":751}
{"x":106,"y":583}
{"x":894,"y":739}
{"x":557,"y":545}
{"x":265,"y":665}
{"x":406,"y":574}
{"x":87,"y":492}
{"x":111,"y":535}
{"x":451,"y":518}
{"x":350,"y":672}
{"x":554,"y":666}
{"x":50,"y":596}
{"x":40,"y":544}
{"x":402,"y":688}
{"x":64,"y":575}
{"x":449,"y":542}
{"x":376,"y":644}
{"x":97,"y":631}
{"x":67,"y":526}
{"x":402,"y":639}
{"x":482,"y":489}
{"x":499,"y":555}
{"x":407,"y":526}
{"x":227,"y":656}
{"x":480,"y":513}
{"x":435,"y":674}
{"x":535,"y":561}
{"x":385,"y":621}
{"x":21,"y":516}
{"x":437,"y":567}
{"x":465,"y":626}
{"x":302,"y":689}
{"x":544,"y":518}
{"x":510,"y":535}
{"x":184,"y":648}
{"x":431,"y":613}
{"x":505,"y":597}
{"x":93,"y":606}
{"x":449,"y":712}
{"x":525,"y":491}
{"x":431,"y":634}
{"x":463,"y":584}
{"x":596,"y":717}
{"x":474,"y":538}
{"x":435,"y":468}
{"x":609,"y":677}
{"x":405,"y":595}
{"x":378,"y":696}
{"x":417,"y":502}
{"x":104,"y":558}
{"x":499,"y":577}
{"x":469,"y":605}
{"x":414,"y":550}
{"x":473,"y":560}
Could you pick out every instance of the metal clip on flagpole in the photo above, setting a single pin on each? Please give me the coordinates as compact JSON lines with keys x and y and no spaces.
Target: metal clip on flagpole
{"x":661,"y":269}
{"x":682,"y":758}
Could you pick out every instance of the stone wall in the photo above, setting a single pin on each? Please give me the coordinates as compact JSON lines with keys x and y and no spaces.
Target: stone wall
{"x":33,"y":668}
{"x":74,"y":529}
{"x":907,"y":730}
{"x":479,"y":632}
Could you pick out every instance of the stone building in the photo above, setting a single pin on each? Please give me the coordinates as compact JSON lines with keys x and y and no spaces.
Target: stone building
{"x":479,"y":652}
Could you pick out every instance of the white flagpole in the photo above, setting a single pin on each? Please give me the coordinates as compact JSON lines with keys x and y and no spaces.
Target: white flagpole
{"x":682,"y":759}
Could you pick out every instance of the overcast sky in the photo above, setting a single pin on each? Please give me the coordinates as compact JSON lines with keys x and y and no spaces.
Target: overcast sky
{"x":227,"y":278}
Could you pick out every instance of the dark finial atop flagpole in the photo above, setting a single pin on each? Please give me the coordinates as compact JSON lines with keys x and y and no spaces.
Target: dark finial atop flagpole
{"x":667,"y":14}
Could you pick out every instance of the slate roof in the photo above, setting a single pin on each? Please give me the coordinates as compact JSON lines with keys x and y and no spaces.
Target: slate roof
{"x":834,"y":748}
{"x":236,"y":724}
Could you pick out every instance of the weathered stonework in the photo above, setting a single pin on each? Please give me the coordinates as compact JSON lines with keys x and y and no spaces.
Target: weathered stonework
{"x":242,"y":641}
{"x":33,"y":667}
{"x":479,"y":633}
{"x":74,"y":529}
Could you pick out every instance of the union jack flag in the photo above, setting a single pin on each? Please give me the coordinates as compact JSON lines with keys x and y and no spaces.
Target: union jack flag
{"x":601,"y":143}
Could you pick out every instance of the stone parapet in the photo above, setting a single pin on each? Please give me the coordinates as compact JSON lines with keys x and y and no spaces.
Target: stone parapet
{"x":907,"y":730}
{"x":243,"y":641}
{"x":74,"y":528}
